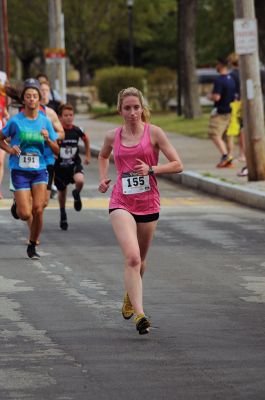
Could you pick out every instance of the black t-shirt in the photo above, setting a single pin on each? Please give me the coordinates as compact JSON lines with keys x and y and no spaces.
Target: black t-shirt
{"x":55,"y":105}
{"x":226,"y":87}
{"x":69,"y":151}
{"x":235,"y":75}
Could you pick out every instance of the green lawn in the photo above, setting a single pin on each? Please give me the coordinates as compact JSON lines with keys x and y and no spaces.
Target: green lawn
{"x":170,"y":122}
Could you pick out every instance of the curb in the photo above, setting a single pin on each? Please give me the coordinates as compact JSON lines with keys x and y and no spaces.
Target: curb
{"x":248,"y":197}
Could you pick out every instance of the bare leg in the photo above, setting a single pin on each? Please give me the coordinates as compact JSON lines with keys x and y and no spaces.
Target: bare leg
{"x":230,"y":145}
{"x":62,"y":197}
{"x":38,"y":200}
{"x":47,"y":198}
{"x":242,"y":148}
{"x":23,"y":203}
{"x":29,"y":221}
{"x":145,"y":232}
{"x":134,"y":240}
{"x":125,"y":230}
{"x":63,"y":216}
{"x":79,"y":181}
{"x":220,"y":144}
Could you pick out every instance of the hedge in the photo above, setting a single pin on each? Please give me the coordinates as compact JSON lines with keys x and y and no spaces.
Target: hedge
{"x":110,"y":81}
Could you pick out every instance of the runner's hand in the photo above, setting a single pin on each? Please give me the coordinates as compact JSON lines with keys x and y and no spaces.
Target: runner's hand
{"x":141,"y":168}
{"x":104,"y":185}
{"x":45,"y":134}
{"x":15,"y":150}
{"x":86,"y":161}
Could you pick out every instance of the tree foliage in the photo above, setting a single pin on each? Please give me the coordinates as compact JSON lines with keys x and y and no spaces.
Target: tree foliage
{"x":214,"y":30}
{"x":97,"y":32}
{"x":110,"y":81}
{"x":161,"y":86}
{"x":28,"y":31}
{"x":90,"y":33}
{"x":160,"y":49}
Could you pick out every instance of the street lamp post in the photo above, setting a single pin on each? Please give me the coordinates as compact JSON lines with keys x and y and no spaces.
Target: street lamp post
{"x":130,"y":29}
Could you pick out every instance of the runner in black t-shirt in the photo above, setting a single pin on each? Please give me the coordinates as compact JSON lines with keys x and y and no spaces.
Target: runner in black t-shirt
{"x":68,"y":166}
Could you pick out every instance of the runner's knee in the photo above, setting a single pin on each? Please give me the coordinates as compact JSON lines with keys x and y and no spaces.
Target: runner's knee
{"x":37,"y":209}
{"x":23,"y":213}
{"x":133,"y":260}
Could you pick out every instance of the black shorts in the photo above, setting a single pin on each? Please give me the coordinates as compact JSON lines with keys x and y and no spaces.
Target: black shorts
{"x":140,"y":218}
{"x":50,"y":169}
{"x":64,"y":176}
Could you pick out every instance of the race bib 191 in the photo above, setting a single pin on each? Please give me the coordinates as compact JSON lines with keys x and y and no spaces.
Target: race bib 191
{"x":68,"y":152}
{"x":133,"y":183}
{"x":29,"y":161}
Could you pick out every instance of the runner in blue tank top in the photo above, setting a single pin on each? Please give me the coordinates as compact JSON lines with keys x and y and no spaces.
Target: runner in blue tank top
{"x":29,"y":131}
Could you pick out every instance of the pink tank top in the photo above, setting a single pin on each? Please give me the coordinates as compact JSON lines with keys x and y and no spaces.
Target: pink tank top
{"x":124,"y":191}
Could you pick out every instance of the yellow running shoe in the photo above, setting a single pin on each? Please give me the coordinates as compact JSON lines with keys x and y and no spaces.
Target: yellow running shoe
{"x":142,"y":324}
{"x":127,"y":308}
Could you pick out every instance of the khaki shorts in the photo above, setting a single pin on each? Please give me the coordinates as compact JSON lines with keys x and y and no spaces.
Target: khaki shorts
{"x":218,"y":125}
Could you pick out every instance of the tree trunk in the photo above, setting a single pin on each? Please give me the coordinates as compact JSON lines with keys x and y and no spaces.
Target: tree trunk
{"x":187,"y":32}
{"x":26,"y":64}
{"x":83,"y":74}
{"x":260,"y":13}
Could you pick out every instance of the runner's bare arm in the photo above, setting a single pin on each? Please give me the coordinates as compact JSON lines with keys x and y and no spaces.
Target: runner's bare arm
{"x":52,"y":144}
{"x":8,"y":149}
{"x":87,"y":149}
{"x":103,"y":162}
{"x":160,"y":140}
{"x":56,"y":123}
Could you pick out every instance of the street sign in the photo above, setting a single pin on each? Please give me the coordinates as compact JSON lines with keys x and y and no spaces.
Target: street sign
{"x":245,"y":36}
{"x":54,"y":53}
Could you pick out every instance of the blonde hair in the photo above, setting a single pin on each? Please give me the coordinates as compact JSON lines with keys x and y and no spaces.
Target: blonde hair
{"x":132,"y":91}
{"x":233,"y":59}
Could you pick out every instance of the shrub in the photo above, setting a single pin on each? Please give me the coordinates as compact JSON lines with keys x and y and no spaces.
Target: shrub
{"x":110,"y":81}
{"x":161,"y":86}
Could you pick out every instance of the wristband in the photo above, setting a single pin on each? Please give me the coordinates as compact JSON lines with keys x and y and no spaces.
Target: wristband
{"x":151,"y":171}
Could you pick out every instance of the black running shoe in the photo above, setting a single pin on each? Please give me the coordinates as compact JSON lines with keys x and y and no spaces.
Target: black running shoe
{"x":64,"y":224}
{"x":77,"y":200}
{"x":31,"y":251}
{"x":14,"y":210}
{"x":142,"y":324}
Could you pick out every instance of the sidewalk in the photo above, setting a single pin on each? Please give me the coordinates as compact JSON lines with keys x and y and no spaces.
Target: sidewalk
{"x":199,"y":158}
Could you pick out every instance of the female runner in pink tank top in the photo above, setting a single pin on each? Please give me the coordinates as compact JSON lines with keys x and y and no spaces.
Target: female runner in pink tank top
{"x":135,"y":203}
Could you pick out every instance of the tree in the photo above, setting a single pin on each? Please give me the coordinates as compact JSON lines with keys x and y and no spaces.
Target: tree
{"x":154,"y":32}
{"x":90,"y":33}
{"x":187,"y":70}
{"x":97,"y":32}
{"x":28,"y":32}
{"x":162,"y":86}
{"x":260,"y":15}
{"x":214,"y":30}
{"x":161,"y":49}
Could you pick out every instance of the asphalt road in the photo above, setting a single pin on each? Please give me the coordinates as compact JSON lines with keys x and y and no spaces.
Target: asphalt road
{"x":62,"y":336}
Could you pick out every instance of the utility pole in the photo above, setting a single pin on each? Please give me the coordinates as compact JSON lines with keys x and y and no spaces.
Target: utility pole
{"x":56,"y":43}
{"x":246,"y":44}
{"x":4,"y":48}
